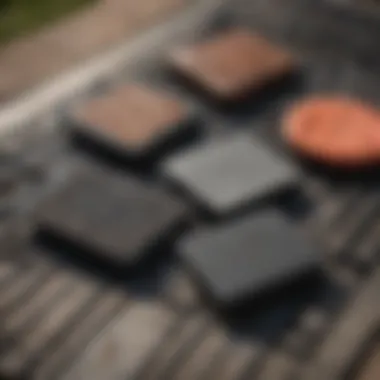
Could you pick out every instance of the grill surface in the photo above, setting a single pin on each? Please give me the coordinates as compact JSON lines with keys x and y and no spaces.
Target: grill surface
{"x":62,"y":317}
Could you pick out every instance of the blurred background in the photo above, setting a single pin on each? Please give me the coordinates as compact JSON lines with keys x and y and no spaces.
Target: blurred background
{"x":41,"y":38}
{"x":19,"y":17}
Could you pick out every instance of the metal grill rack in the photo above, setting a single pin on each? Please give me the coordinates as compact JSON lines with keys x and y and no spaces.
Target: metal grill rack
{"x":62,"y":318}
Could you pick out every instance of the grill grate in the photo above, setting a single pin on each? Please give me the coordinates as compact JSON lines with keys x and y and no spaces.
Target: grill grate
{"x":62,"y":320}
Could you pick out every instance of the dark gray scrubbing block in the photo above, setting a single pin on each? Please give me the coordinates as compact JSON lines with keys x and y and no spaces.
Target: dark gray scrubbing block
{"x":248,"y":256}
{"x":113,"y":215}
{"x":226,"y":174}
